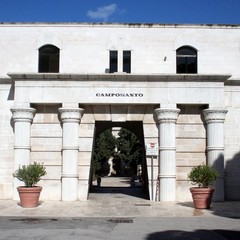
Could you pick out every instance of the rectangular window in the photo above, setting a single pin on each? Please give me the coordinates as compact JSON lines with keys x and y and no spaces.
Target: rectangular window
{"x":127,"y":61}
{"x":113,"y":64}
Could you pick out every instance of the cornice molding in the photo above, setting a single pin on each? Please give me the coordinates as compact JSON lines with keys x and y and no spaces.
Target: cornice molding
{"x":119,"y":77}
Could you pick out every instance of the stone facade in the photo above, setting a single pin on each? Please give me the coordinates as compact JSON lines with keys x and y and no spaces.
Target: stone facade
{"x":53,"y":117}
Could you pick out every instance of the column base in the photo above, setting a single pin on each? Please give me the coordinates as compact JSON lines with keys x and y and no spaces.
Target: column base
{"x":167,"y":190}
{"x":69,"y":189}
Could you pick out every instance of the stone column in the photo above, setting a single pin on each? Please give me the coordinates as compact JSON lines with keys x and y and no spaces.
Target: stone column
{"x":22,"y":118}
{"x":215,"y":147}
{"x":167,"y":118}
{"x":70,"y":123}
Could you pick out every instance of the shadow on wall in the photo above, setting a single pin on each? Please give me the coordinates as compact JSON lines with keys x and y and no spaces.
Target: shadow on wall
{"x":230,"y":208}
{"x":198,"y":234}
{"x":232,"y":178}
{"x":11,"y":93}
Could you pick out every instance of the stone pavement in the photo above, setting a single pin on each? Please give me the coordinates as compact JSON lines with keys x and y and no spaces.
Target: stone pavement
{"x":119,"y":207}
{"x":117,"y":200}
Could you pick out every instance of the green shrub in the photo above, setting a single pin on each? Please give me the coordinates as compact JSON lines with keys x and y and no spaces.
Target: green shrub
{"x":202,"y":175}
{"x":30,"y":174}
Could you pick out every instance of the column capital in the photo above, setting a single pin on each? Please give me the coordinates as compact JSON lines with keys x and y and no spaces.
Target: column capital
{"x":214,"y":115}
{"x":23,"y":114}
{"x":71,"y":114}
{"x":167,"y":114}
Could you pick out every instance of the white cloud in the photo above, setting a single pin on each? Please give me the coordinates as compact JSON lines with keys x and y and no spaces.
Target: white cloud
{"x":103,"y":12}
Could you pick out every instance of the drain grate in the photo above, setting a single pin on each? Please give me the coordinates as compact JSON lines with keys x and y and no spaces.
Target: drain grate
{"x":142,"y":204}
{"x":33,"y":220}
{"x":77,"y":219}
{"x":121,"y":220}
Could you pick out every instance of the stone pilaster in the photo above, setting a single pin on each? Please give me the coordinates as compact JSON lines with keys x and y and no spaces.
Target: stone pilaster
{"x":215,"y":147}
{"x":70,"y":118}
{"x":22,"y":118}
{"x":167,"y":118}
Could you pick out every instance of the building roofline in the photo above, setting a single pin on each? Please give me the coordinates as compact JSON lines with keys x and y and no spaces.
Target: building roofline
{"x":104,"y":24}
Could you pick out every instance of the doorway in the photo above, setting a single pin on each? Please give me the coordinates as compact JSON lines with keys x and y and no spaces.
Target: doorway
{"x":118,"y":164}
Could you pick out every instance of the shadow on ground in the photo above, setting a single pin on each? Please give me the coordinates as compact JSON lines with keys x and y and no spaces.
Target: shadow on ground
{"x":124,"y":191}
{"x":121,"y":187}
{"x":199,"y":235}
{"x":228,"y":209}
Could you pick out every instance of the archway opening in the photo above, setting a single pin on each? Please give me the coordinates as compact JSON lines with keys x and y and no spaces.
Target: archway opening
{"x":118,"y":160}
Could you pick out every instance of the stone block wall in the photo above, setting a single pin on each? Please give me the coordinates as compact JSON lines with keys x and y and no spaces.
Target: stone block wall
{"x":46,"y":147}
{"x":6,"y":142}
{"x":190,"y":147}
{"x":232,"y":140}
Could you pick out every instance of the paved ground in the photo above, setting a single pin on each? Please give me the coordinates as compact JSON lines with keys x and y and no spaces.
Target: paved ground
{"x":115,"y":198}
{"x":119,"y":207}
{"x":118,"y":213}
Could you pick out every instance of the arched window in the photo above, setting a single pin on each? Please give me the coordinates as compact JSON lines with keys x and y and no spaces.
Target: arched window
{"x":186,"y":60}
{"x":48,"y":59}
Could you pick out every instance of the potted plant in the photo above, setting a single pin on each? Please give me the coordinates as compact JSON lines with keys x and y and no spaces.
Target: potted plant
{"x":203,"y":176}
{"x":30,"y":174}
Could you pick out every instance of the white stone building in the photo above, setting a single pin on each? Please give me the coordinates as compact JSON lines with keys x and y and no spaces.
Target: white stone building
{"x":174,"y":85}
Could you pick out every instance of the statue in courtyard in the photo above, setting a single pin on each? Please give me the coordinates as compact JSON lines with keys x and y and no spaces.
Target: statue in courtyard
{"x":110,"y":162}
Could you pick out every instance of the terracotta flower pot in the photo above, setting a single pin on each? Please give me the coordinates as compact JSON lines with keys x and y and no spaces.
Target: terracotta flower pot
{"x":29,"y":196}
{"x":202,"y":197}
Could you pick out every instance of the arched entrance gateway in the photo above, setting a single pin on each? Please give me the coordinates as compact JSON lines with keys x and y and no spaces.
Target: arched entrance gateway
{"x":118,"y":159}
{"x":57,"y":117}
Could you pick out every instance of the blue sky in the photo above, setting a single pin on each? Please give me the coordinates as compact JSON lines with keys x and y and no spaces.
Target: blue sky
{"x":129,"y":11}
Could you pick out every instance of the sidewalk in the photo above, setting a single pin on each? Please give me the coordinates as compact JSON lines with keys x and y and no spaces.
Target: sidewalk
{"x":119,"y":208}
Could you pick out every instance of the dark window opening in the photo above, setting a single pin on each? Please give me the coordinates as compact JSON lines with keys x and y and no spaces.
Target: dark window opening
{"x":113,"y":64}
{"x":48,"y":59}
{"x":127,"y":61}
{"x":186,"y":60}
